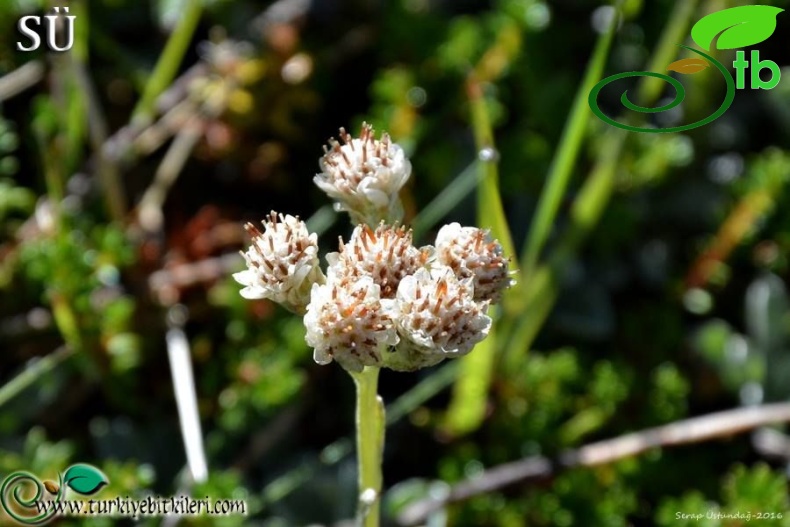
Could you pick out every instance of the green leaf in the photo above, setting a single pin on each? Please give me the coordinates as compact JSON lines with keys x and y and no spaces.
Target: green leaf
{"x":736,"y":27}
{"x":84,"y":479}
{"x":467,"y":408}
{"x":565,"y":158}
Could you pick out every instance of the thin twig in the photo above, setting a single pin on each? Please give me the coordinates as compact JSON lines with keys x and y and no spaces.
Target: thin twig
{"x":693,"y":430}
{"x":22,"y":78}
{"x":98,"y":129}
{"x":150,"y":213}
{"x":771,"y":443}
{"x":186,"y":275}
{"x":168,"y":125}
{"x":119,"y":147}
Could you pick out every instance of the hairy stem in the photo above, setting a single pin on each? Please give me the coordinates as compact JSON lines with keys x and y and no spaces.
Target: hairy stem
{"x":370,"y":445}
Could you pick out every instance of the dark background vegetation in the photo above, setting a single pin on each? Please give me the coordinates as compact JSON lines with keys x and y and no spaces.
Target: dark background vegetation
{"x":675,"y":304}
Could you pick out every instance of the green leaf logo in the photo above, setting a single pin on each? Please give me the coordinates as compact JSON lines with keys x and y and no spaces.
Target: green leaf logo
{"x":84,"y":479}
{"x":738,"y":27}
{"x":688,"y":66}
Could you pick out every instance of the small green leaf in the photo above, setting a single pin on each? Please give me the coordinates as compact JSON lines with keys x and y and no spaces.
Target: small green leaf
{"x":736,"y":27}
{"x":84,"y":479}
{"x":688,"y":66}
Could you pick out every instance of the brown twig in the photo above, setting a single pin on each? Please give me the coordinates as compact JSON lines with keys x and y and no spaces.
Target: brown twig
{"x":186,"y":275}
{"x":120,"y":146}
{"x":693,"y":430}
{"x":150,"y":215}
{"x":739,"y":224}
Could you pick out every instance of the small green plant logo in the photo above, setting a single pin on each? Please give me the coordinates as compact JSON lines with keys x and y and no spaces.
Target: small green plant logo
{"x":22,"y":493}
{"x":736,"y":27}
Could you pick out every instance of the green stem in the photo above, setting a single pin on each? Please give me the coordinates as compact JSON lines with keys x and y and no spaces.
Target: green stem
{"x":284,"y":485}
{"x":170,"y":60}
{"x":467,"y":407}
{"x":490,"y":211}
{"x":370,"y":445}
{"x":541,"y":290}
{"x":567,"y":153}
{"x":98,"y":130}
{"x":33,"y":373}
{"x":675,"y":31}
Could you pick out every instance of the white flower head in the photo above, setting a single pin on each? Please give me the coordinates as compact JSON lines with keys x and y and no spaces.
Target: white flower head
{"x":348,"y":322}
{"x":385,"y":254}
{"x":282,"y":262}
{"x":472,"y":253}
{"x":364,"y":176}
{"x":437,"y":317}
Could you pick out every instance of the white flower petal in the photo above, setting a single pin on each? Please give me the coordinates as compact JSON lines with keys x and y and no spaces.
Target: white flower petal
{"x":385,"y":254}
{"x":244,"y":277}
{"x":252,"y":292}
{"x":321,"y":357}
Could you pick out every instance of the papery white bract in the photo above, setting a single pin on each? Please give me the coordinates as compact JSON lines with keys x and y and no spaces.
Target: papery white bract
{"x":383,"y":302}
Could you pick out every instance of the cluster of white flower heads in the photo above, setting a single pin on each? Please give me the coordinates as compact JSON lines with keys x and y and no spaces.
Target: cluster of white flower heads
{"x":388,"y":303}
{"x":364,"y":176}
{"x":383,"y":302}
